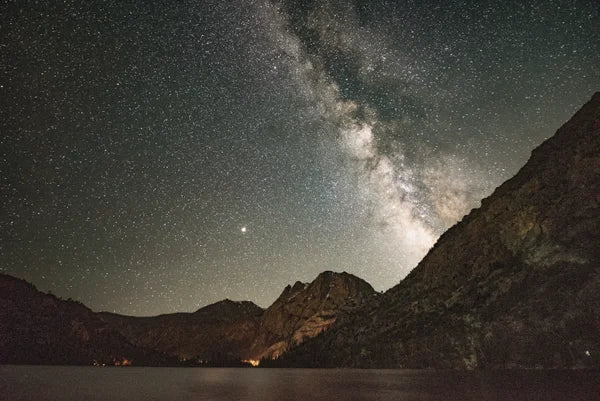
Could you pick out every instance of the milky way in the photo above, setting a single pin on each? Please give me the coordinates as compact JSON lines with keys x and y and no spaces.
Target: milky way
{"x":160,"y":157}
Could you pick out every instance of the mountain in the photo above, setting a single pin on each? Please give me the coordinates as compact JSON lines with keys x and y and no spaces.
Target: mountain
{"x":38,"y":328}
{"x":305,"y":310}
{"x":227,"y":331}
{"x":516,"y":283}
{"x":221,"y":332}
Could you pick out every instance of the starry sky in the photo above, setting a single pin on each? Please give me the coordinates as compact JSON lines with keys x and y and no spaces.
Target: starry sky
{"x":160,"y":156}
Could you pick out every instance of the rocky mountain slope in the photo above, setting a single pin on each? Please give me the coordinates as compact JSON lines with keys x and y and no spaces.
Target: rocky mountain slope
{"x":228,"y":330}
{"x":515,"y":284}
{"x":305,"y":310}
{"x":220,"y":332}
{"x":39,"y":328}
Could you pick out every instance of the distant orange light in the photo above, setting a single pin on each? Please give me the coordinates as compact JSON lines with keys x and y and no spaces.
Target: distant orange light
{"x":253,"y":362}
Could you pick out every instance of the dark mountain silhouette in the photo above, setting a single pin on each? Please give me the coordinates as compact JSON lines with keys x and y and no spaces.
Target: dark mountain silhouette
{"x":515,"y":284}
{"x":232,"y":330}
{"x":223,"y":331}
{"x":38,"y":328}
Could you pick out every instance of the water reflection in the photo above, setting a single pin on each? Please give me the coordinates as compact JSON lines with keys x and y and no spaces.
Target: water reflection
{"x":177,"y":384}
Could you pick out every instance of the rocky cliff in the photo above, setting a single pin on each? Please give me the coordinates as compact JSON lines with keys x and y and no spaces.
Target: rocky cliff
{"x":515,"y":284}
{"x":305,"y":310}
{"x":38,"y":328}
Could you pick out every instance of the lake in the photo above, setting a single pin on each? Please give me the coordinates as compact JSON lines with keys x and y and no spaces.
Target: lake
{"x":47,"y":383}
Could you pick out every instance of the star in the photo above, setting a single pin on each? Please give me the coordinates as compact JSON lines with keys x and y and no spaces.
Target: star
{"x":351,"y":135}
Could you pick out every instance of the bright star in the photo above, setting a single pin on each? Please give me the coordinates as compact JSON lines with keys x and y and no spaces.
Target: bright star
{"x":243,"y":229}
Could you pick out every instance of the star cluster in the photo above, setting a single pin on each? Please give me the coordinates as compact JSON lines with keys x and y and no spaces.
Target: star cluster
{"x":160,"y":156}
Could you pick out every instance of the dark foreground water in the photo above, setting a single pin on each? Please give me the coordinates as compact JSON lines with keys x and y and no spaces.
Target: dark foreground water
{"x":41,"y":383}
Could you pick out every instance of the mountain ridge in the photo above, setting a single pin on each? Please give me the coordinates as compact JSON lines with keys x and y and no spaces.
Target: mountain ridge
{"x":222,"y":333}
{"x":498,"y":288}
{"x":514,"y":284}
{"x":40,"y":328}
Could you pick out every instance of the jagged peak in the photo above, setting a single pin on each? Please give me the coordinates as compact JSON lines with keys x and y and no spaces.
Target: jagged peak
{"x":324,"y":278}
{"x":329,"y":276}
{"x":298,"y":286}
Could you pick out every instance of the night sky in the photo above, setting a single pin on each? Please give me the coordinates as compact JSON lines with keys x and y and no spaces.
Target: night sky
{"x":160,"y":156}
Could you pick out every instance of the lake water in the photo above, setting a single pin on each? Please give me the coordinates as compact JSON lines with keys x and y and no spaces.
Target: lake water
{"x":47,"y":383}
